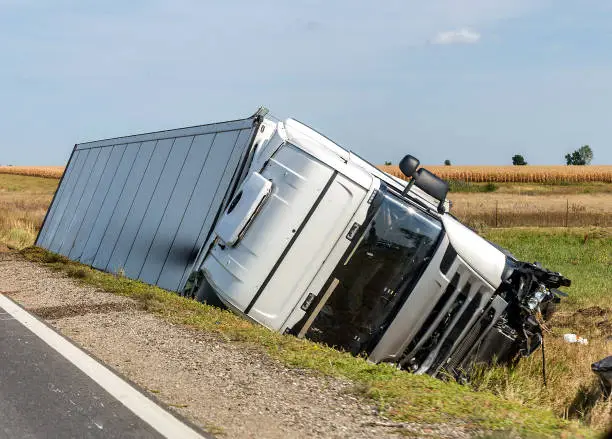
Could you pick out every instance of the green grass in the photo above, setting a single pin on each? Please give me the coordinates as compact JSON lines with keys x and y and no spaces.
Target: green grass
{"x":400,"y":395}
{"x":583,"y":255}
{"x":464,"y":186}
{"x":559,"y":188}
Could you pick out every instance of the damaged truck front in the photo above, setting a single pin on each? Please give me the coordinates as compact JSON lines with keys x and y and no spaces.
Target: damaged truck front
{"x":283,"y":226}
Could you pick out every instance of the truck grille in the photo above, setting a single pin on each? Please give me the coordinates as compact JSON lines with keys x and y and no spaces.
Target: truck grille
{"x":468,"y":312}
{"x":447,"y":328}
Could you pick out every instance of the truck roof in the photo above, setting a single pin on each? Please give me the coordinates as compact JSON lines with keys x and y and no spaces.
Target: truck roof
{"x":294,"y":127}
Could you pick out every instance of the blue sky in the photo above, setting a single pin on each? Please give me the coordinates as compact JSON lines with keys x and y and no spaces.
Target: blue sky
{"x":474,"y":81}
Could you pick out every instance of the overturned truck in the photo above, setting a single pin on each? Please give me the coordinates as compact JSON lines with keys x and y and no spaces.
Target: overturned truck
{"x":281,"y":225}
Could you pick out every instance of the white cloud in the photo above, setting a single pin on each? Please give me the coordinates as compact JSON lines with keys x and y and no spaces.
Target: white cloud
{"x":461,"y":36}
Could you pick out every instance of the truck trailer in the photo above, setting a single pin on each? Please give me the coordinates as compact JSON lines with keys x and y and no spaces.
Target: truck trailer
{"x":286,"y":228}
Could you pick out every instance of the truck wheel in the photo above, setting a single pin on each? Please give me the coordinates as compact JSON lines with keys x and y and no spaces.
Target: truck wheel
{"x":206,"y":294}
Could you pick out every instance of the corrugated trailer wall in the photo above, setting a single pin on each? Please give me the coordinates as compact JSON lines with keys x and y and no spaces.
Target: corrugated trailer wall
{"x":146,"y":204}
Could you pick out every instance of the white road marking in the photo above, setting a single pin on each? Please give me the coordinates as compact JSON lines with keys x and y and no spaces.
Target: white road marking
{"x":154,"y":415}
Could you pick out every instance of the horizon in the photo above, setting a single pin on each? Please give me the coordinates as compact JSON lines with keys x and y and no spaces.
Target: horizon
{"x":474,"y":83}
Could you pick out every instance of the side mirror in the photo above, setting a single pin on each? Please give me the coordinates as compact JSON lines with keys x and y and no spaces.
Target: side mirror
{"x":408,"y":165}
{"x":431,"y":184}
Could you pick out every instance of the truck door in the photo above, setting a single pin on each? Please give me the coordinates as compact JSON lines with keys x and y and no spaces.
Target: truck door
{"x":260,"y":261}
{"x":238,"y":270}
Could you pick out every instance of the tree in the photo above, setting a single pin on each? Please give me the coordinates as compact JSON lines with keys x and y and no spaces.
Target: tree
{"x":447,"y":162}
{"x":388,"y":163}
{"x":582,"y":156}
{"x":518,"y":160}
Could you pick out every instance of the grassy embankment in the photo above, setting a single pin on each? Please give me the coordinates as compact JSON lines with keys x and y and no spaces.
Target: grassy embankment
{"x":505,"y":400}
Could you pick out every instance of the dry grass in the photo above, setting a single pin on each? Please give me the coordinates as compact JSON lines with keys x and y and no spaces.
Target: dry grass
{"x":572,"y":391}
{"x":517,"y":174}
{"x":34,"y":171}
{"x":23,"y":204}
{"x":508,"y":209}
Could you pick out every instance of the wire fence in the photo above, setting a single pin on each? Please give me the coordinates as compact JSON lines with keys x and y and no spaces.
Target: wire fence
{"x":495,"y":214}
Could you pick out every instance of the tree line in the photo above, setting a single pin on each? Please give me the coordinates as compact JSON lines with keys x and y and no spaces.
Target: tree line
{"x":582,"y":156}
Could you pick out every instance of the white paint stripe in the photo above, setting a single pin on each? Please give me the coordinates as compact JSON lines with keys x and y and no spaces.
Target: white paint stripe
{"x":154,"y":415}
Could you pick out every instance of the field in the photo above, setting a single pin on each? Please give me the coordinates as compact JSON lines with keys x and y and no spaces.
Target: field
{"x":505,"y":399}
{"x":34,"y":171}
{"x":517,"y":174}
{"x":576,"y":201}
{"x":469,"y":174}
{"x":511,"y":205}
{"x":537,"y":196}
{"x":23,"y":203}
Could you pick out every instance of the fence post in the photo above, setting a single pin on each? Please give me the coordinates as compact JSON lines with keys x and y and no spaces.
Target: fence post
{"x":567,"y":213}
{"x":496,"y":212}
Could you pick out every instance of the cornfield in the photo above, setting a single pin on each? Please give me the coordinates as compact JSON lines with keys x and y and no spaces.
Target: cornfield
{"x":472,"y":174}
{"x":517,"y":174}
{"x":34,"y":171}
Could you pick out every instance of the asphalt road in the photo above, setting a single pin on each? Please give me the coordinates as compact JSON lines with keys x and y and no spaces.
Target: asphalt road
{"x":44,"y":395}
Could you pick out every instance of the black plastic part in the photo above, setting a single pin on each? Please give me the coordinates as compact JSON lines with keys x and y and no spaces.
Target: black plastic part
{"x":431,"y":184}
{"x":206,"y":294}
{"x":498,"y":344}
{"x":408,"y":165}
{"x":447,"y":260}
{"x":603,"y":369}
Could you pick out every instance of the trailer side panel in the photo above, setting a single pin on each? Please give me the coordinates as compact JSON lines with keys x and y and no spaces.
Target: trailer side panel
{"x":143,"y":205}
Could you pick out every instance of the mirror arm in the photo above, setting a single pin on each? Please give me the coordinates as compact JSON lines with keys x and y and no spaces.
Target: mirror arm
{"x":408,"y":187}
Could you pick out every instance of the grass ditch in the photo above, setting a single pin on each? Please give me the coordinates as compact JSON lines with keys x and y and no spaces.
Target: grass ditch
{"x":500,"y":400}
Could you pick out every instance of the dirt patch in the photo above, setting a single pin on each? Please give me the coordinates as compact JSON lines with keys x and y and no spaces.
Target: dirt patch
{"x":593,"y":311}
{"x":605,"y":327}
{"x":59,"y":312}
{"x":594,"y":321}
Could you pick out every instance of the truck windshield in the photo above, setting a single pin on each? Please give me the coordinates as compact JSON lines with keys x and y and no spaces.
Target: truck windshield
{"x":376,"y":275}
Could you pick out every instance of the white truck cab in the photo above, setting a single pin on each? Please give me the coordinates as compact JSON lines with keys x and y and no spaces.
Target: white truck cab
{"x":319,"y":243}
{"x":286,"y":228}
